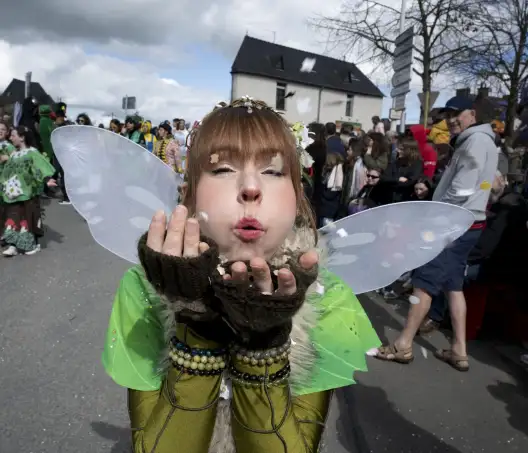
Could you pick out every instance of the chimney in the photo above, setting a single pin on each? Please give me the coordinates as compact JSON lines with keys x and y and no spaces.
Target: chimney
{"x":464,"y":92}
{"x":483,"y":92}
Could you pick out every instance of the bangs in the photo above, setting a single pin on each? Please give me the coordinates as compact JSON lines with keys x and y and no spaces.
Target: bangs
{"x":235,"y":134}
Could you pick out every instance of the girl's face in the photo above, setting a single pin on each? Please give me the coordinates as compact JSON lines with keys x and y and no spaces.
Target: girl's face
{"x":400,"y":150}
{"x":129,"y":127}
{"x":250,"y":206}
{"x":421,"y":190}
{"x":368,"y":141}
{"x":3,"y":132}
{"x":114,"y":127}
{"x":16,"y":139}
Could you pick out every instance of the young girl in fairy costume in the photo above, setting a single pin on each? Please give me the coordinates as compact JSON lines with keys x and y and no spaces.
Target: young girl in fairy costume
{"x":23,"y":177}
{"x":231,"y":289}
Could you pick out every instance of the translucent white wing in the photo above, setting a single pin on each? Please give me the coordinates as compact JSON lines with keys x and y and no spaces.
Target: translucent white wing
{"x":115,"y":184}
{"x":371,"y":249}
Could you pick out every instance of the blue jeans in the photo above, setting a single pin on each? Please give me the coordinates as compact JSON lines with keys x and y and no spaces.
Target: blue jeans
{"x":438,"y":309}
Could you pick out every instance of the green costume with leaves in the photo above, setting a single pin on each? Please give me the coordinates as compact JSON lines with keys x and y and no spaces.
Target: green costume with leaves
{"x":169,"y":410}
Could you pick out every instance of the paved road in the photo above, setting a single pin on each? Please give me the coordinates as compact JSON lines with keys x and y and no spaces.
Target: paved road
{"x":56,"y":398}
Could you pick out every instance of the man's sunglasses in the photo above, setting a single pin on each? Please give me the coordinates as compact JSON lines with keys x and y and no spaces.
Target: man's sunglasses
{"x":372,"y":176}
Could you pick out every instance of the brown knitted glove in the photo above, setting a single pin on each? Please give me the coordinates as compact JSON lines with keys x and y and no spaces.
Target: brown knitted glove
{"x":179,"y":278}
{"x":262,"y":321}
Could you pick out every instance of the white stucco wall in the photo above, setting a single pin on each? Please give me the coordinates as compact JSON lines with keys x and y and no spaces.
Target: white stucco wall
{"x":303,"y":106}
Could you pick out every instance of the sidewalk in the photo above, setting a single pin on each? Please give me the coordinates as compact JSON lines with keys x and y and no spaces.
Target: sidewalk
{"x":429,"y":407}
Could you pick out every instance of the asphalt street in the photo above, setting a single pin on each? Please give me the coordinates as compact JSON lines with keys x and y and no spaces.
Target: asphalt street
{"x":56,"y":398}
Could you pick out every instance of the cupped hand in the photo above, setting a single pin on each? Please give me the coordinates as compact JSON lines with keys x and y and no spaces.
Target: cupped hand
{"x":181,"y":237}
{"x":261,"y":274}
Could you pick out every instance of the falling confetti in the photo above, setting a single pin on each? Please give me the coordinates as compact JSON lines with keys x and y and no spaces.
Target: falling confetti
{"x":372,"y":352}
{"x":341,"y":233}
{"x":424,"y":352}
{"x":428,"y":236}
{"x":308,"y":65}
{"x":214,"y":158}
{"x":203,"y":216}
{"x":277,"y":162}
{"x":303,"y":105}
{"x":414,"y":300}
{"x":220,"y":270}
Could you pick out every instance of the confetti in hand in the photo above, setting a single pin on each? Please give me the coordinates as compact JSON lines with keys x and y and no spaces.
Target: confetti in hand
{"x":308,"y":65}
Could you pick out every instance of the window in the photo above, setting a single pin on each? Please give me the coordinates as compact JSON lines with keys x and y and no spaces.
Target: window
{"x":280,"y":96}
{"x":349,"y":77}
{"x":278,"y":62}
{"x":349,"y":105}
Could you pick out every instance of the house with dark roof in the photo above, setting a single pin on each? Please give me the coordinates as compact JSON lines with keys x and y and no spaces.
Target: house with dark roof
{"x":15,"y":92}
{"x":304,"y":86}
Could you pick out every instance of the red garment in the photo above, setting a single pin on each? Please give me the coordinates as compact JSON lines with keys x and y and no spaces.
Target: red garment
{"x":429,"y":154}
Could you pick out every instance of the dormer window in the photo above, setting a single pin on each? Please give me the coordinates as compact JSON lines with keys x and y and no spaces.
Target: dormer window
{"x":349,"y":77}
{"x":278,"y":62}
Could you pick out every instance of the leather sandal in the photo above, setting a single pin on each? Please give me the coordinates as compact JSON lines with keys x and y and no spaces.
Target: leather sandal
{"x":390,"y":353}
{"x":458,"y":362}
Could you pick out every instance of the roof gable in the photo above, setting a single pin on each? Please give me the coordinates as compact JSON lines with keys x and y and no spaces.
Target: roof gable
{"x":266,"y":59}
{"x":16,"y":91}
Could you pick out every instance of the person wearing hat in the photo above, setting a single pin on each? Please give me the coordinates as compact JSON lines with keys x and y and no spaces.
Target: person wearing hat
{"x":166,"y":148}
{"x":466,"y":182}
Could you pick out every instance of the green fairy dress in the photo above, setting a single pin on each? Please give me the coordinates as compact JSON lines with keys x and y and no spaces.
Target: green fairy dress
{"x":135,"y":345}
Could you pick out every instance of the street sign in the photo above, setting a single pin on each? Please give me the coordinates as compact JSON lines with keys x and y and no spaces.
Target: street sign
{"x":399,"y":102}
{"x":401,"y":78}
{"x":433,"y":96}
{"x":402,"y":89}
{"x":396,"y":114}
{"x":403,"y":38}
{"x":403,"y":60}
{"x":129,"y":103}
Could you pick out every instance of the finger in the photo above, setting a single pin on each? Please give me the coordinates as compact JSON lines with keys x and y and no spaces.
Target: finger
{"x":239,"y":272}
{"x":156,"y":232}
{"x":287,"y":285}
{"x":261,"y":275}
{"x":174,"y":239}
{"x":203,"y":247}
{"x":309,"y":259}
{"x":227,"y":277}
{"x":191,"y":238}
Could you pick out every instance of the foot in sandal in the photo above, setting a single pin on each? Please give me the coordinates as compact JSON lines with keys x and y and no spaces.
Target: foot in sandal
{"x":391,"y":353}
{"x":458,"y":362}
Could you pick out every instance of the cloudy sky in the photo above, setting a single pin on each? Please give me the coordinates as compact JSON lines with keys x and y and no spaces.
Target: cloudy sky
{"x":175,"y":57}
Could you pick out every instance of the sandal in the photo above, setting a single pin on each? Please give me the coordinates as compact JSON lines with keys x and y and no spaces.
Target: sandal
{"x":458,"y":362}
{"x":390,"y":353}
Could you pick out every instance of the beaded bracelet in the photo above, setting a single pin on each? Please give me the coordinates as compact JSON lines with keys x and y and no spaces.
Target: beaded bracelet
{"x":253,"y":380}
{"x":198,"y":362}
{"x":261,"y":358}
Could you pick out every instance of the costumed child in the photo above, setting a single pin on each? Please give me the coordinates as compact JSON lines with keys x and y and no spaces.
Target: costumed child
{"x":150,"y":138}
{"x":22,"y":179}
{"x":231,"y":290}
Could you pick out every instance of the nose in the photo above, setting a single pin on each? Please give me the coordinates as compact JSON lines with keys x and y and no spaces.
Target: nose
{"x":250,"y":190}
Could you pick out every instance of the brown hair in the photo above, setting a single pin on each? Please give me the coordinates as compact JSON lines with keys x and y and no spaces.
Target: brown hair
{"x":245,"y":133}
{"x":411,"y":150}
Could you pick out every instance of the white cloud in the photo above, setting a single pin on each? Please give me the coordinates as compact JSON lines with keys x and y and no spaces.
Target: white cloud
{"x":92,"y":54}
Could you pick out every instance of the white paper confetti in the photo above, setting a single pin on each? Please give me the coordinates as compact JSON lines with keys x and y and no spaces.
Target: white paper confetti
{"x":372,"y":352}
{"x":465,"y":192}
{"x":341,"y":233}
{"x":277,"y":162}
{"x":424,"y":352}
{"x":214,"y":158}
{"x":203,"y":216}
{"x":414,"y":299}
{"x":428,"y":236}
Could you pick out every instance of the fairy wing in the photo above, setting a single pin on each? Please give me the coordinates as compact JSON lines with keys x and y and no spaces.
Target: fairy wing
{"x":371,"y":249}
{"x":115,"y":184}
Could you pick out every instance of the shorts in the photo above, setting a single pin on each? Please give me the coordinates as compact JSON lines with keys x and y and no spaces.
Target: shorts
{"x":446,"y":272}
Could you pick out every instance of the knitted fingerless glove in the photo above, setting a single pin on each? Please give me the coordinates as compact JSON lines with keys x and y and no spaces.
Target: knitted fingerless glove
{"x":179,"y":278}
{"x":262,"y":321}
